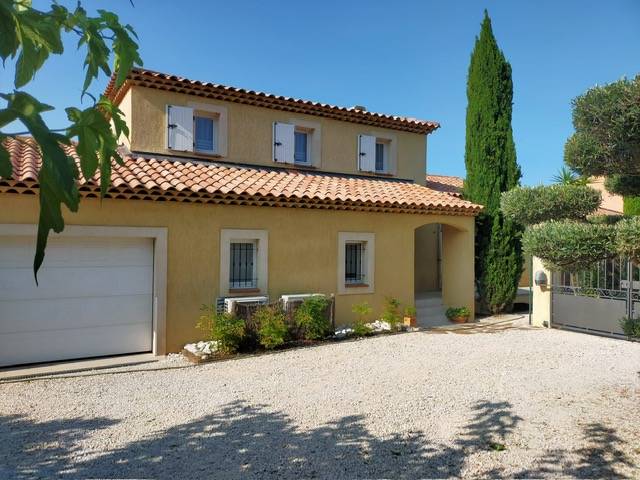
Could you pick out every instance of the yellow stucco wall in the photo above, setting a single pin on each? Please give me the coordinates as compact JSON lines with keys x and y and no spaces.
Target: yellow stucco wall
{"x":302,"y":250}
{"x":250,"y":134}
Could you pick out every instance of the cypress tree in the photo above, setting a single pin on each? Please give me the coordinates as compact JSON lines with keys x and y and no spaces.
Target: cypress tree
{"x":490,"y":159}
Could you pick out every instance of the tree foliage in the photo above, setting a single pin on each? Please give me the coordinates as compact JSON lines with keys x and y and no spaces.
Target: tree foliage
{"x":566,"y":176}
{"x":490,"y":159}
{"x":569,"y":245}
{"x":531,"y":205}
{"x":607,"y":130}
{"x":628,"y":238}
{"x":29,"y":37}
{"x":605,"y":143}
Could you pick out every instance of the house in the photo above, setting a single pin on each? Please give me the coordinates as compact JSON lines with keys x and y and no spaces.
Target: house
{"x":225,"y":192}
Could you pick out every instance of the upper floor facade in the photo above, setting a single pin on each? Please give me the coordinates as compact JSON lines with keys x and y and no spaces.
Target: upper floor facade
{"x":172,"y":116}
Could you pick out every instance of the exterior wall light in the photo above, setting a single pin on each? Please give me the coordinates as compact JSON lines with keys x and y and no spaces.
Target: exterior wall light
{"x":540,"y":279}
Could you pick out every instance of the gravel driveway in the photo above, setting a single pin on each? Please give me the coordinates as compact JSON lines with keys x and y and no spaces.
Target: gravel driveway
{"x":512,"y":403}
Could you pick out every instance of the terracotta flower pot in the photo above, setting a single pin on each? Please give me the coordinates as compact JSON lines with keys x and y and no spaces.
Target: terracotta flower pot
{"x":410,"y":321}
{"x":460,"y":319}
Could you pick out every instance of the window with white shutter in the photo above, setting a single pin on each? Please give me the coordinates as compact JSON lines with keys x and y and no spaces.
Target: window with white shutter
{"x":366,"y":153}
{"x":283,"y":142}
{"x":180,"y":128}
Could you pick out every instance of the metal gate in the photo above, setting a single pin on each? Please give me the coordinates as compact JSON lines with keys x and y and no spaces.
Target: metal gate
{"x":595,"y":300}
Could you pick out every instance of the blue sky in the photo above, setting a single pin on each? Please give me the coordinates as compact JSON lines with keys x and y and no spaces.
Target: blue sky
{"x":406,"y":58}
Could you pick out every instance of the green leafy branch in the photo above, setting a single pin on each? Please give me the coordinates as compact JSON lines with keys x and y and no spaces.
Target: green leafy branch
{"x":31,"y":36}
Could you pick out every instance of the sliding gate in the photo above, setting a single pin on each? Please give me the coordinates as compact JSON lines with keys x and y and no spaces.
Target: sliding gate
{"x":595,"y":300}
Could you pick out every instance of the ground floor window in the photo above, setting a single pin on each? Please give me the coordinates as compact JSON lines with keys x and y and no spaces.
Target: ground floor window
{"x":356,"y":262}
{"x":243,"y":261}
{"x":354,"y":267}
{"x":242,"y":266}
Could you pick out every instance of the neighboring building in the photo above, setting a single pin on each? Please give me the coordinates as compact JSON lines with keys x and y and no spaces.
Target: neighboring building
{"x":612,"y":204}
{"x":226,"y":192}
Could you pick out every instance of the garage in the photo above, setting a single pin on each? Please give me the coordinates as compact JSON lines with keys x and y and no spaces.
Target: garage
{"x":95,"y":297}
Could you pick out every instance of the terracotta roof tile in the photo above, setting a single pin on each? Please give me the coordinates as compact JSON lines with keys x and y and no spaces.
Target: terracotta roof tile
{"x":173,"y":83}
{"x":186,"y":180}
{"x":445,"y":183}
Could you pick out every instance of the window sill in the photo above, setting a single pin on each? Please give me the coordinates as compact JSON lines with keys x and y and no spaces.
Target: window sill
{"x":244,"y":290}
{"x":356,"y":285}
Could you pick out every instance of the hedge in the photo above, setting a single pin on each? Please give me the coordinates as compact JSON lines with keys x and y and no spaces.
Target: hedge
{"x":531,"y":205}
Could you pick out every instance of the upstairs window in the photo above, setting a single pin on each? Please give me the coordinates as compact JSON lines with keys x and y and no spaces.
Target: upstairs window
{"x":242,"y":267}
{"x":374,"y":154}
{"x":301,"y":147}
{"x":205,"y":134}
{"x":202,"y":130}
{"x":293,"y":144}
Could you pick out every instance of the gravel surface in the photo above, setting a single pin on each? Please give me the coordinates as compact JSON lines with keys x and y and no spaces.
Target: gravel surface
{"x":505,"y":403}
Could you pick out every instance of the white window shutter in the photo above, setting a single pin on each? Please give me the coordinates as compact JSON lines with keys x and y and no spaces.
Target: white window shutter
{"x":367,"y":153}
{"x":283,"y":142}
{"x":180,"y":128}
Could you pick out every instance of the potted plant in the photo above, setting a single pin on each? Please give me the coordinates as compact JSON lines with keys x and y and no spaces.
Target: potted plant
{"x":410,"y":317}
{"x":458,"y":314}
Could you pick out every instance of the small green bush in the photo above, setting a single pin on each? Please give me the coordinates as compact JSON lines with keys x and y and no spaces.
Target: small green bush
{"x":604,"y":219}
{"x":272,"y":329}
{"x":360,"y":329}
{"x":410,"y":311}
{"x":223,"y":327}
{"x":311,"y":316}
{"x":631,"y":205}
{"x":628,"y":238}
{"x":531,"y":205}
{"x":391,"y":312}
{"x":455,"y":312}
{"x":569,"y":245}
{"x":630,"y":327}
{"x":362,"y":311}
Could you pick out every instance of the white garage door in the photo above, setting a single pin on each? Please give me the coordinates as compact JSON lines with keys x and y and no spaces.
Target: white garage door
{"x":95,"y":297}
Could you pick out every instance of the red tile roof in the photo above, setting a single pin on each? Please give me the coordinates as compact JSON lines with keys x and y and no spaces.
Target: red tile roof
{"x":173,"y":83}
{"x":149,"y":178}
{"x":445,"y":183}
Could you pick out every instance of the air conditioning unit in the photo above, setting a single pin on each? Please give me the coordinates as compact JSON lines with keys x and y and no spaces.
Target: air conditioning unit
{"x":296,"y":298}
{"x":228,"y":304}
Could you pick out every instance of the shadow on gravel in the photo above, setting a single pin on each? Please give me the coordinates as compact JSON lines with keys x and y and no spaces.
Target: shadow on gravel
{"x":244,"y":441}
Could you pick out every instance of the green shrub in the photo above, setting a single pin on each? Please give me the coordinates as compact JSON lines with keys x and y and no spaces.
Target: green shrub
{"x":455,"y":312}
{"x":630,"y":327}
{"x":569,"y":245}
{"x":311,"y":316}
{"x":628,"y":238}
{"x":360,"y":329}
{"x":410,"y":311}
{"x":391,"y":312}
{"x":631,"y":205}
{"x":223,"y":327}
{"x":531,"y":205}
{"x":272,"y":329}
{"x":604,"y":219}
{"x":625,"y":185}
{"x":362,"y":311}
